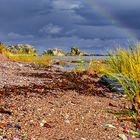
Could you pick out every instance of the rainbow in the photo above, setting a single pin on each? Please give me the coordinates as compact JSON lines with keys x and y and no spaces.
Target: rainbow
{"x":103,"y":12}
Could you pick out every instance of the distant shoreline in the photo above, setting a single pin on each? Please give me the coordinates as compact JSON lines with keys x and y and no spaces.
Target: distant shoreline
{"x":98,"y":55}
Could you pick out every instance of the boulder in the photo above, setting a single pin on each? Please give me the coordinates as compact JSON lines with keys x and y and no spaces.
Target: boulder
{"x":83,"y":54}
{"x":113,"y":82}
{"x":22,"y":49}
{"x":53,"y":52}
{"x":76,"y":51}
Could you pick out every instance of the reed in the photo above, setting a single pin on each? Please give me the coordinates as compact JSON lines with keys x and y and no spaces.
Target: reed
{"x":126,"y":62}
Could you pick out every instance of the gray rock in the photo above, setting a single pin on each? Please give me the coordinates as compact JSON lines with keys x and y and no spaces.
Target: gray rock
{"x":22,"y":49}
{"x":53,"y":52}
{"x":113,"y":82}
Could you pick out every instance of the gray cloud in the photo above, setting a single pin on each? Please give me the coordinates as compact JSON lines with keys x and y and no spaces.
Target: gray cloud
{"x":50,"y":29}
{"x":13,"y":35}
{"x":126,"y":12}
{"x":67,"y":5}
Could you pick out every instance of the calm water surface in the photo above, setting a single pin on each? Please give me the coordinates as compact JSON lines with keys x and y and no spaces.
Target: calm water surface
{"x":81,"y":57}
{"x":70,"y":66}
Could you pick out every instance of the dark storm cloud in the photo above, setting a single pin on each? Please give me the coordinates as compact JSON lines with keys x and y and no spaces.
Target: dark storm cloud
{"x":22,"y":16}
{"x":75,"y":21}
{"x":91,"y":16}
{"x":127,"y":12}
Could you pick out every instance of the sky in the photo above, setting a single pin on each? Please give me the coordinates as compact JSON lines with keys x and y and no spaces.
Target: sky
{"x":92,"y":25}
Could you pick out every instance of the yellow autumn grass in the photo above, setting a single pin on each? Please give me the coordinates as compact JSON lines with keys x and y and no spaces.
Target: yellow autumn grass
{"x":126,"y":62}
{"x":95,"y":66}
{"x":27,"y":58}
{"x":23,"y":57}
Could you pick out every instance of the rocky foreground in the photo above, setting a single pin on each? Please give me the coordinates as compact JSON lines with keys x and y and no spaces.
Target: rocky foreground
{"x":43,"y":103}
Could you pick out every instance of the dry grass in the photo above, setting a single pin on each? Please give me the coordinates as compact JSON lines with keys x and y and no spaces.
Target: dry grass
{"x":95,"y":67}
{"x":127,"y":63}
{"x":27,"y":58}
{"x":23,"y":57}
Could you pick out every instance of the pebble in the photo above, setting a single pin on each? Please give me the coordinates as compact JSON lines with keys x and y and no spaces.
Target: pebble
{"x":122,"y":137}
{"x":16,"y":138}
{"x":4,"y":138}
{"x":17,"y":126}
{"x":21,"y":114}
{"x":109,"y":125}
{"x":49,"y":114}
{"x":31,"y":121}
{"x":83,"y":118}
{"x":67,"y":121}
{"x":9,"y":124}
{"x":42,"y":123}
{"x":33,"y":138}
{"x":83,"y":138}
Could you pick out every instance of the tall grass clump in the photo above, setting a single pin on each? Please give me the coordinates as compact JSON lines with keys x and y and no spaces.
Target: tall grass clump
{"x":126,"y":62}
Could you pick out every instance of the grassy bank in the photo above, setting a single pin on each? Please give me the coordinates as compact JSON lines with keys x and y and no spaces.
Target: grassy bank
{"x":29,"y":58}
{"x":26,"y":57}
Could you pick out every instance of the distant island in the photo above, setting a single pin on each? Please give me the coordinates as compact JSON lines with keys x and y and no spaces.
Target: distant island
{"x":29,"y":49}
